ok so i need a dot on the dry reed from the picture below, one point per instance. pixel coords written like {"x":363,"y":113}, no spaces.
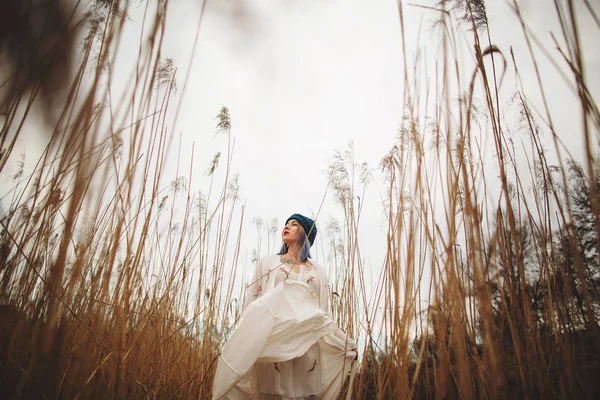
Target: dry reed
{"x":106,"y":292}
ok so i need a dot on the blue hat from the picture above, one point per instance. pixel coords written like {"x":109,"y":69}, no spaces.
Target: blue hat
{"x":308,"y":224}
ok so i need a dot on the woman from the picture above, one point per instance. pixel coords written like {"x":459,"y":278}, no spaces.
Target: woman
{"x":286,"y":345}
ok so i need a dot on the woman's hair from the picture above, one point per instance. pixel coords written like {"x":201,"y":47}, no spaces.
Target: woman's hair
{"x":302,"y":241}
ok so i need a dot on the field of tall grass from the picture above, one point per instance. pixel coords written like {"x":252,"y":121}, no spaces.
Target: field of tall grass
{"x":490,"y":284}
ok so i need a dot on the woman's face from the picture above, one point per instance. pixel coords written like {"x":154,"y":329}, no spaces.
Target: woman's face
{"x":291,"y":232}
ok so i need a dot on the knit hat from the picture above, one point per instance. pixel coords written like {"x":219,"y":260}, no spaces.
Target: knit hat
{"x":310,"y":228}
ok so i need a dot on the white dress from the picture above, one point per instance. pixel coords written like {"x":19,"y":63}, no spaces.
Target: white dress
{"x":285,"y":346}
{"x":299,"y":378}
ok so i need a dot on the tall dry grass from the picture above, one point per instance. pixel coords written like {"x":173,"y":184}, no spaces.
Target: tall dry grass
{"x":108,"y":292}
{"x":490,"y":282}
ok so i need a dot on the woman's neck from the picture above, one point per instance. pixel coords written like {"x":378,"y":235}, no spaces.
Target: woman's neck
{"x":293,"y":253}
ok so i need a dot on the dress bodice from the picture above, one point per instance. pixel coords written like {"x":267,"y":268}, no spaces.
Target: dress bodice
{"x":310,"y":276}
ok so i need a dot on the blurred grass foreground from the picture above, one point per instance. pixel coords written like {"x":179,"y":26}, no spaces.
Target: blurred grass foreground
{"x":106,"y":292}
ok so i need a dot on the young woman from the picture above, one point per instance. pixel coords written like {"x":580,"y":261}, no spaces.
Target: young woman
{"x":286,"y":346}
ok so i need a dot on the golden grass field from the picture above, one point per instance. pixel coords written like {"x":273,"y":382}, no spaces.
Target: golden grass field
{"x":512,"y":291}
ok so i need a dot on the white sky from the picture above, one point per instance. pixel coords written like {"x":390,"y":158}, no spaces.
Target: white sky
{"x":300,"y":79}
{"x":303,"y":78}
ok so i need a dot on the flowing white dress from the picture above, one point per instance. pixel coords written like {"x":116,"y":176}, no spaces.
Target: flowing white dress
{"x":285,"y":345}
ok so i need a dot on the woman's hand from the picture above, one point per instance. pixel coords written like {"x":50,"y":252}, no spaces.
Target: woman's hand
{"x":356,"y":351}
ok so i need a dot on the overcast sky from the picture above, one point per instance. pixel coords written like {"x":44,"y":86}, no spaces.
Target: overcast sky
{"x":304,"y":78}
